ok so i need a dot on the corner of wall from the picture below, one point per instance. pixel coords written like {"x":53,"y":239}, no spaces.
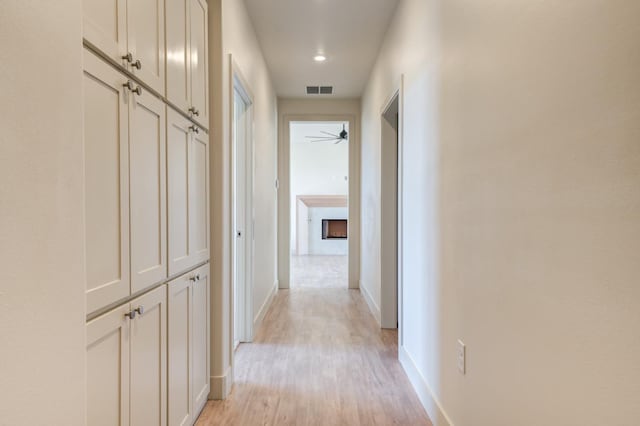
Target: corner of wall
{"x":375,"y":309}
{"x":426,"y":396}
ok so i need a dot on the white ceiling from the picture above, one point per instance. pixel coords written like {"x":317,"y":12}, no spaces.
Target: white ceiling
{"x":347,"y":32}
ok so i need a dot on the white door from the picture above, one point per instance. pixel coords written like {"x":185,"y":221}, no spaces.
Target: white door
{"x":178,"y":149}
{"x":106,"y":171}
{"x":199,"y":196}
{"x":145,"y":41}
{"x":240,"y":215}
{"x":148,"y":380}
{"x":180,"y":339}
{"x":177,"y":57}
{"x":105,"y":26}
{"x":200,"y":338}
{"x":198,"y":57}
{"x":108,"y":369}
{"x":147,"y":179}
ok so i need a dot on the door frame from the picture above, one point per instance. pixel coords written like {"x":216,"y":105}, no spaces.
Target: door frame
{"x":397,"y":91}
{"x":239,"y":83}
{"x":284,"y":195}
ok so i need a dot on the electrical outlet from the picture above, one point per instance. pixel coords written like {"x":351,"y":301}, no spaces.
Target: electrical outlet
{"x":461,"y":355}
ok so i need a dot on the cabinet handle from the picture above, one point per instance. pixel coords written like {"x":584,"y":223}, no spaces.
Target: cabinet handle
{"x":139,"y":309}
{"x":137,"y":90}
{"x":130,"y":315}
{"x":128,"y":85}
{"x":128,"y":57}
{"x":194,"y":129}
{"x":137,"y":64}
{"x":195,"y":278}
{"x":194,"y":111}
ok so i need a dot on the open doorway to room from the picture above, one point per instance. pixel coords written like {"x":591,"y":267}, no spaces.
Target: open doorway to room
{"x":319,"y":207}
{"x":389,"y":189}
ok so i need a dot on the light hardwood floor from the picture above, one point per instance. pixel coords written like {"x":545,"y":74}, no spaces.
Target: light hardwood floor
{"x":320,"y":271}
{"x":318,"y":359}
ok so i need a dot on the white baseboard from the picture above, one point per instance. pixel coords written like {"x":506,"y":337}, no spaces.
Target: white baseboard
{"x":221,"y":385}
{"x":427,"y":398}
{"x":375,"y":309}
{"x":265,"y":306}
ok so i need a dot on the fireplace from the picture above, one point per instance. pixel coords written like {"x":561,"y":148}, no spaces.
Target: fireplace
{"x":334,"y":229}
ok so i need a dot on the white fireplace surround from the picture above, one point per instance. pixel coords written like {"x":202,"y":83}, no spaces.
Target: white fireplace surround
{"x":303,"y":203}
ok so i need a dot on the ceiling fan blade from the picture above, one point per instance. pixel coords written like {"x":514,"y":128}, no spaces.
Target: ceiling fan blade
{"x":325,"y":140}
{"x":327,"y":133}
{"x":321,"y":137}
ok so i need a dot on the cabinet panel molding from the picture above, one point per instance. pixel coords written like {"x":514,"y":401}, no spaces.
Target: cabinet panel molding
{"x":106,"y":155}
{"x":147,"y":130}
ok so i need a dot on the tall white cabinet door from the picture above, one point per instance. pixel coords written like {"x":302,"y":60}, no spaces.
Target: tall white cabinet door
{"x":106,"y":153}
{"x":177,"y":38}
{"x":178,"y":181}
{"x":147,"y":130}
{"x":105,"y":26}
{"x":200,"y":339}
{"x":145,"y":23}
{"x":179,"y":352}
{"x":198,"y":56}
{"x":148,"y":379}
{"x":199,"y":197}
{"x":108,"y":369}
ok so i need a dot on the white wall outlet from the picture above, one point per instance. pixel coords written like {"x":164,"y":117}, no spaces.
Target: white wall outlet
{"x":461,"y":355}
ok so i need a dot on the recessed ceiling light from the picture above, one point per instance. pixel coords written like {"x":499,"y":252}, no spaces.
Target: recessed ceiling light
{"x":319,"y":58}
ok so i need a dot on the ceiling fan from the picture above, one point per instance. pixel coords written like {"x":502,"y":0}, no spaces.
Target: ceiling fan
{"x":331,"y":137}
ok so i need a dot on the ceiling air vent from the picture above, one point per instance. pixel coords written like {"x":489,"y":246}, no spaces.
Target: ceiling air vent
{"x":319,"y":90}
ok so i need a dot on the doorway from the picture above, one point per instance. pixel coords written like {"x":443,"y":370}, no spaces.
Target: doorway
{"x":389,"y":126}
{"x":243,"y":214}
{"x":319,"y":207}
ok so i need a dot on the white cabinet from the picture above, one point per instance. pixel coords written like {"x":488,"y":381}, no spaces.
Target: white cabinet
{"x":188,"y":347}
{"x":187,"y":57}
{"x":188,"y":195}
{"x":108,"y":343}
{"x":147,"y":180}
{"x":131,"y":32}
{"x":126,"y":363}
{"x":106,"y":156}
{"x":148,"y":363}
{"x":125,"y":185}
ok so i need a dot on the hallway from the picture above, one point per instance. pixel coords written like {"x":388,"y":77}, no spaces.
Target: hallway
{"x":319,"y":358}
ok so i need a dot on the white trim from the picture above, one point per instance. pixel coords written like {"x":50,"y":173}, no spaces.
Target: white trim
{"x":265,"y":306}
{"x":220,"y":386}
{"x":239,"y":83}
{"x":375,"y":309}
{"x":425,"y":394}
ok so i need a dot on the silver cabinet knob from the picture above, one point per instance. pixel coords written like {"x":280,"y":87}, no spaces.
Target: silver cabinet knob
{"x":194,"y":111}
{"x":130,"y":315}
{"x":137,"y":90}
{"x":128,"y":57}
{"x":137,"y":64}
{"x":128,"y":85}
{"x":139,"y":309}
{"x":194,"y":129}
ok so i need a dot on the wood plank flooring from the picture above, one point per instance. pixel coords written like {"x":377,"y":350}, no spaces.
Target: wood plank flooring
{"x":318,"y":359}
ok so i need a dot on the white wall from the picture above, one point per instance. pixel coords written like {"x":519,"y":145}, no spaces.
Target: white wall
{"x":42,"y":305}
{"x":231,"y":32}
{"x":317,"y":168}
{"x":521,"y":229}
